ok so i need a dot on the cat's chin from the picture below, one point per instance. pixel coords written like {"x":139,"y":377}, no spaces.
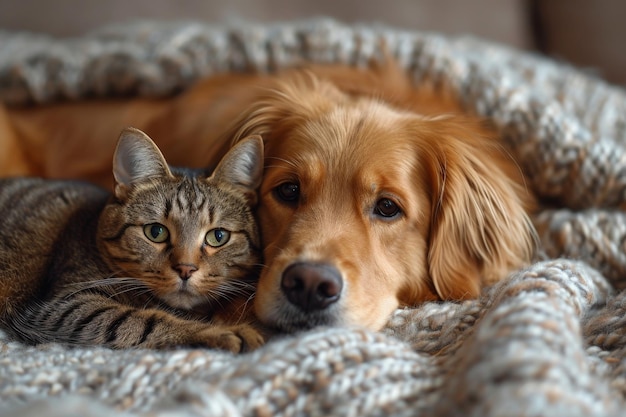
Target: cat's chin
{"x":183,"y":300}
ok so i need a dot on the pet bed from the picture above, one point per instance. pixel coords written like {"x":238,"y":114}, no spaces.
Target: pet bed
{"x":548,"y":340}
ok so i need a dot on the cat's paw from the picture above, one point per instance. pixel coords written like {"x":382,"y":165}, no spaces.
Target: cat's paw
{"x":250,"y":337}
{"x":236,"y":339}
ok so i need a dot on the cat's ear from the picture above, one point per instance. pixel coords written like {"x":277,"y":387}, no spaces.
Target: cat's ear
{"x":136,"y":158}
{"x":242,"y":166}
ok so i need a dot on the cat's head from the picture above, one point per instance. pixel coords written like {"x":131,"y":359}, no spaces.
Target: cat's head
{"x":189,"y":239}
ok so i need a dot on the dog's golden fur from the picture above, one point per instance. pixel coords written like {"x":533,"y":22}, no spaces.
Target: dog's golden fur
{"x":378,"y":192}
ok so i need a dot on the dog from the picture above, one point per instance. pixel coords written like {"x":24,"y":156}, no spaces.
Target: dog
{"x":377,"y":193}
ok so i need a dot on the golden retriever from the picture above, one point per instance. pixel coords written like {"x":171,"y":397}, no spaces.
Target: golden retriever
{"x":376,"y":193}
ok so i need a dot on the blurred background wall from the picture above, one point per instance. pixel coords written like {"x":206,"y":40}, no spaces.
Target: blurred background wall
{"x":587,"y":33}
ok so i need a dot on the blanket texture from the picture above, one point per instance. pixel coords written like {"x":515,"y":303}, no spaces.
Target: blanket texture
{"x":549,"y":340}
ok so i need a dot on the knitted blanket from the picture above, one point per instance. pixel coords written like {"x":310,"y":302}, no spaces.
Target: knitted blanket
{"x":549,"y":340}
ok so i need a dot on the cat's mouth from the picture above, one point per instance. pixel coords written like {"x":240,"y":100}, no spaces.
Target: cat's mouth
{"x":183,"y":298}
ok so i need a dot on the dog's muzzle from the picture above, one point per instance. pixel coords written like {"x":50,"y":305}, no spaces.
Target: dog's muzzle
{"x":311,"y":286}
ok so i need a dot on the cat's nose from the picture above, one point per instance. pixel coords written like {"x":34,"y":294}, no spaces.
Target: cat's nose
{"x":185,"y":270}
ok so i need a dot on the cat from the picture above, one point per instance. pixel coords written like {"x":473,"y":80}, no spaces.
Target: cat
{"x":141,"y":267}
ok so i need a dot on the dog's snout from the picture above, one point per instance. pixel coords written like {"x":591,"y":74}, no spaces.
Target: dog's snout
{"x":311,"y":287}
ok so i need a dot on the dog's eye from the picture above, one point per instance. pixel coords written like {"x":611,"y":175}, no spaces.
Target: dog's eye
{"x":289,"y":191}
{"x":386,"y":208}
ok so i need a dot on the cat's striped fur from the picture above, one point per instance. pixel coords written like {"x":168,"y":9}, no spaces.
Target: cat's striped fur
{"x":159,"y":264}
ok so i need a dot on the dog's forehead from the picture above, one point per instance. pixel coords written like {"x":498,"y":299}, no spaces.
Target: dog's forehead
{"x":344,"y":130}
{"x":362,"y":144}
{"x":369,"y":163}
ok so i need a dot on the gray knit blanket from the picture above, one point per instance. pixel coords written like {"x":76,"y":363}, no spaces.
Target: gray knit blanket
{"x":549,"y":340}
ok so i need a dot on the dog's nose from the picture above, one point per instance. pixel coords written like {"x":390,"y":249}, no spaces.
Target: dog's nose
{"x":311,"y":286}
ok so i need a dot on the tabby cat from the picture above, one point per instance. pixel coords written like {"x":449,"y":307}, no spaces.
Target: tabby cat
{"x":141,"y":267}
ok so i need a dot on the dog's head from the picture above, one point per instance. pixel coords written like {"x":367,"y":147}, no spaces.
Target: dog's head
{"x":365,"y":207}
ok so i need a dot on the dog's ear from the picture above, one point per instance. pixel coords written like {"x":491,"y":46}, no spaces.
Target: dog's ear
{"x":480,"y":228}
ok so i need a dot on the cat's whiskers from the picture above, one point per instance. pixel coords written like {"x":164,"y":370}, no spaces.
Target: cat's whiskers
{"x":229,"y":288}
{"x":213,"y":298}
{"x":244,"y":307}
{"x":138,"y":290}
{"x":229,"y":291}
{"x":102,"y":282}
{"x":114,"y":286}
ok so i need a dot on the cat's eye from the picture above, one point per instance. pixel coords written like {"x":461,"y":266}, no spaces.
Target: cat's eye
{"x":156,"y":232}
{"x":217,"y":237}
